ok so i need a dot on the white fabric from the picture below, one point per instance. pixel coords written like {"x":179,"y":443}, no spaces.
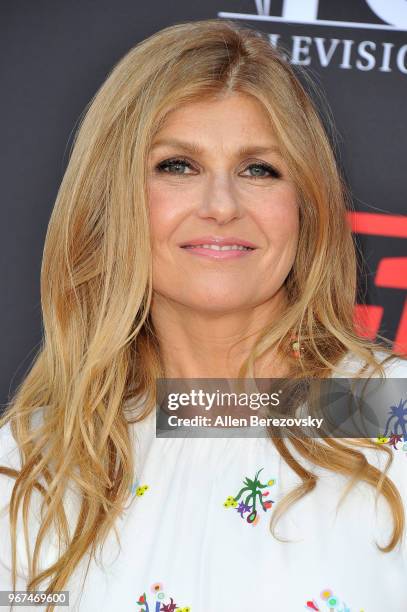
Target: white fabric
{"x":205,"y":557}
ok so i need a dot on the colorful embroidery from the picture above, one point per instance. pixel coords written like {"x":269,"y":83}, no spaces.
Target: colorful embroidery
{"x":137,"y":489}
{"x":396,"y":441}
{"x":159,"y":605}
{"x":399,"y":413}
{"x":253,"y":488}
{"x":331,"y":601}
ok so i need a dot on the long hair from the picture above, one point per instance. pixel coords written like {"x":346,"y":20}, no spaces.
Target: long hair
{"x":99,"y":346}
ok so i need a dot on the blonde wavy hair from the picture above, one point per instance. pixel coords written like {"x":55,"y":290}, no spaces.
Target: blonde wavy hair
{"x":99,"y":346}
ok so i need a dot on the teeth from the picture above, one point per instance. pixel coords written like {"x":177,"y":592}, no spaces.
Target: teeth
{"x":216,"y":247}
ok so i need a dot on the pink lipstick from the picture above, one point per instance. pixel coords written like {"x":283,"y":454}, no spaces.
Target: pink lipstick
{"x":218,"y":247}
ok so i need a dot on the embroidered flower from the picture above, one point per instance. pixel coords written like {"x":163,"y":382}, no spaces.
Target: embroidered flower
{"x":252,"y":495}
{"x":169,"y":607}
{"x":230,"y":502}
{"x":136,"y":488}
{"x":160,"y":605}
{"x":396,"y":441}
{"x":331,"y":601}
{"x":142,"y":600}
{"x":242,"y":508}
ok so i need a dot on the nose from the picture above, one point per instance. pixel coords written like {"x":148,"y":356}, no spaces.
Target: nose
{"x":219,"y":202}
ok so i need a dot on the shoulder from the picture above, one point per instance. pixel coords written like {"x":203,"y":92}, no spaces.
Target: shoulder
{"x":9,"y":452}
{"x":395,"y":366}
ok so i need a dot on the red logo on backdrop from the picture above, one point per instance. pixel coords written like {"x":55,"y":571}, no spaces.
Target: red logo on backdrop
{"x":391,"y":273}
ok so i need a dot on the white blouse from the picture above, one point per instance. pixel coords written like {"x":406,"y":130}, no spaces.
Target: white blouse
{"x":196,"y":535}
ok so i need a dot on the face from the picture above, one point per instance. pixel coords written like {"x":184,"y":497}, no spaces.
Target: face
{"x":215,"y":172}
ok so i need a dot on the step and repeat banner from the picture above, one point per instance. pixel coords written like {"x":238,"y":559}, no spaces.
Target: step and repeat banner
{"x":54,"y":57}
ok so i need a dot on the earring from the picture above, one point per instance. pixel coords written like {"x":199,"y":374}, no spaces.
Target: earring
{"x":297,"y":349}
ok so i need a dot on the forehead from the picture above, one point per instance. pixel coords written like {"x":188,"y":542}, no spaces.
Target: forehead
{"x":230,"y":119}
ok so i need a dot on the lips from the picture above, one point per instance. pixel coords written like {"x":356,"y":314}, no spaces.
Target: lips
{"x":218,"y":241}
{"x":218,"y":247}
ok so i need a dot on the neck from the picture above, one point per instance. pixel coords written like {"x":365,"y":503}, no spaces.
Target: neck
{"x":203,"y":344}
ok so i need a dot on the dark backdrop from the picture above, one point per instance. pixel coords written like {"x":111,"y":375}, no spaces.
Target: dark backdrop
{"x":55,"y":55}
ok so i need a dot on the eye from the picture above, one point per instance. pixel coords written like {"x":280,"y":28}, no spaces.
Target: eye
{"x":273,"y":172}
{"x":176,"y":163}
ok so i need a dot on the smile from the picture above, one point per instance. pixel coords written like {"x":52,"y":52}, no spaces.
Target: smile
{"x":215,"y":251}
{"x":216,"y":247}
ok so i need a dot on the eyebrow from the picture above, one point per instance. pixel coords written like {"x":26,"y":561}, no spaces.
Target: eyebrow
{"x":196,"y":149}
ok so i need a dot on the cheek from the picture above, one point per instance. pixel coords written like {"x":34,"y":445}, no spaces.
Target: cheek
{"x":164,"y":212}
{"x":279,"y":218}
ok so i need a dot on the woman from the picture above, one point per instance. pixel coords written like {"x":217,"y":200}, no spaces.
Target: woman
{"x":201,"y":135}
